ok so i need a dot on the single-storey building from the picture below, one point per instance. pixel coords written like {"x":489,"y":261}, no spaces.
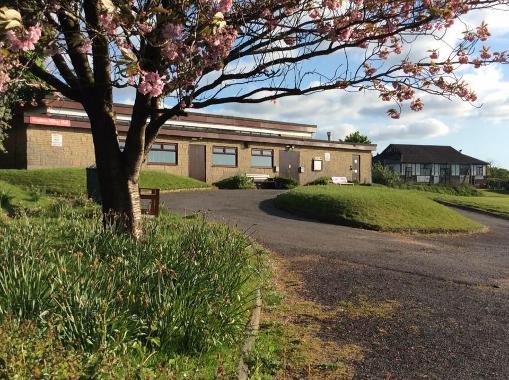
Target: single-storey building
{"x":433,"y":164}
{"x":203,"y":146}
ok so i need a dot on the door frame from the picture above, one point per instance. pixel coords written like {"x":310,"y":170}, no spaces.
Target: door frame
{"x":191,"y":162}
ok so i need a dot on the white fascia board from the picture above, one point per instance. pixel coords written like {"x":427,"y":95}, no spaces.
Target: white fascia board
{"x":71,"y":112}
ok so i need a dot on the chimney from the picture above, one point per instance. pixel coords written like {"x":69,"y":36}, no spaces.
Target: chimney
{"x":329,"y":135}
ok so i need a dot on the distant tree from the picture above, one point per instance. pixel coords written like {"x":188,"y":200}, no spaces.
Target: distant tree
{"x":496,"y":172}
{"x":357,"y":138}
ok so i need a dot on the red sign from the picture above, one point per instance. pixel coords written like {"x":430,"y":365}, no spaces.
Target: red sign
{"x":49,"y":121}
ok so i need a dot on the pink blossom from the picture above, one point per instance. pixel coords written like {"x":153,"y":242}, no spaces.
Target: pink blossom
{"x":26,"y":41}
{"x":151,"y":84}
{"x":393,"y":114}
{"x":417,"y":105}
{"x":4,"y":81}
{"x":108,"y":23}
{"x":485,"y":53}
{"x":86,"y":46}
{"x":172,"y":31}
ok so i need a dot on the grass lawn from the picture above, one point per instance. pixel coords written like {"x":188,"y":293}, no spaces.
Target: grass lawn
{"x":375,"y":207}
{"x":73,"y":181}
{"x":79,"y":301}
{"x":489,"y":201}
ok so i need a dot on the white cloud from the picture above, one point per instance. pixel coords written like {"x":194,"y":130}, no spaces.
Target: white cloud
{"x":414,"y":131}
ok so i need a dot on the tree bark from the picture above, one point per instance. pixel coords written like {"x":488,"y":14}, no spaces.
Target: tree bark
{"x":119,"y":184}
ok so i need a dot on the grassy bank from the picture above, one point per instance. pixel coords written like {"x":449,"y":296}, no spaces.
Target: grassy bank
{"x":489,"y":201}
{"x":78,"y":301}
{"x":377,"y":208}
{"x":73,"y":181}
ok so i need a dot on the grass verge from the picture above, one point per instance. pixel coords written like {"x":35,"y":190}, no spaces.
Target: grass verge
{"x":73,"y":181}
{"x":78,"y":301}
{"x":490,"y":201}
{"x":374,"y":207}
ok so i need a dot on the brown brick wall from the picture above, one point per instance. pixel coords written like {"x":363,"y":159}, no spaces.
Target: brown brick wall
{"x":77,"y":151}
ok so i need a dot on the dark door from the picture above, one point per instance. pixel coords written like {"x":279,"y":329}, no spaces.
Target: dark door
{"x":289,"y":162}
{"x":356,"y":168}
{"x":197,"y":162}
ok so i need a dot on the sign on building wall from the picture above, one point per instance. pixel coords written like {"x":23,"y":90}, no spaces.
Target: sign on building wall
{"x":326,"y":157}
{"x":56,"y":139}
{"x":49,"y":121}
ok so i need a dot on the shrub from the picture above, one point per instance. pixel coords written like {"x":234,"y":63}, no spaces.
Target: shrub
{"x":384,"y":175}
{"x":462,"y":190}
{"x":183,"y":288}
{"x":236,"y":182}
{"x":498,"y":184}
{"x":320,"y":181}
{"x":285,"y":183}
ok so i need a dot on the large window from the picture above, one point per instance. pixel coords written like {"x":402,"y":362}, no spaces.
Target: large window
{"x":479,"y":170}
{"x":464,"y":169}
{"x":163,"y":154}
{"x":262,"y":158}
{"x":426,"y":169}
{"x":224,"y":156}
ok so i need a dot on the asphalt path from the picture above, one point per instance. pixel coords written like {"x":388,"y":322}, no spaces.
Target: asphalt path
{"x":451,"y":291}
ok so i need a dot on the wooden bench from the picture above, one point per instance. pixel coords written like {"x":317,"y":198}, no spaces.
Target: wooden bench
{"x":152,"y":206}
{"x":341,"y":181}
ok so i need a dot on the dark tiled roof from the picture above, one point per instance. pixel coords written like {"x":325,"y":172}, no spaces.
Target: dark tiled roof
{"x":426,"y":154}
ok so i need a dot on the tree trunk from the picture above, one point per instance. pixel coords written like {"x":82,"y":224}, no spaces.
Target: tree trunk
{"x":119,"y":184}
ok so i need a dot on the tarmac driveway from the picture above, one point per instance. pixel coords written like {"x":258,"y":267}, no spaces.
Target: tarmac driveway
{"x":451,"y":292}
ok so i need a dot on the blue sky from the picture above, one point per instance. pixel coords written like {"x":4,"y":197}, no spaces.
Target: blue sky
{"x":481,"y":131}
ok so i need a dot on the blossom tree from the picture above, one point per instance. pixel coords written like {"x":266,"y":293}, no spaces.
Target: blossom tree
{"x":184,"y":54}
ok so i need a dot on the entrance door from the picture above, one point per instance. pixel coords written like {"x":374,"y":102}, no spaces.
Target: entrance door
{"x":356,"y":168}
{"x":289,"y":162}
{"x":197,"y":162}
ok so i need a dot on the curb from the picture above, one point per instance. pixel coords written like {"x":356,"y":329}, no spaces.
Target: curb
{"x":252,"y":331}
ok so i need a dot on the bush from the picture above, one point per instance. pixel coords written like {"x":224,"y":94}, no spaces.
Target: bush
{"x":184,"y":288}
{"x":385,"y":176}
{"x":284,"y":183}
{"x":462,"y":190}
{"x":498,"y":184}
{"x":236,"y":182}
{"x":320,"y":181}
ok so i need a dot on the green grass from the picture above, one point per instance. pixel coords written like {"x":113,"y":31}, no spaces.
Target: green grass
{"x":78,"y":301}
{"x":490,"y":201}
{"x":73,"y":181}
{"x":375,"y":207}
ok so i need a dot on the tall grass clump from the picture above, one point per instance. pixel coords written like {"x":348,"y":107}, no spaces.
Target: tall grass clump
{"x":185,"y":287}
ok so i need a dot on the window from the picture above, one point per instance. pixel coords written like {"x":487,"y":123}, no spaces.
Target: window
{"x":479,"y":170}
{"x":262,"y":158}
{"x":426,"y":169}
{"x":409,"y":172}
{"x":121,"y":145}
{"x":464,"y":169}
{"x":163,"y":154}
{"x":224,"y":156}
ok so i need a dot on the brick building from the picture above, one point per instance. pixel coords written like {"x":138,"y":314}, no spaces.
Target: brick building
{"x":203,"y":146}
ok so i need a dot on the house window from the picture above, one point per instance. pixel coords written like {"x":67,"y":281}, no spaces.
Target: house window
{"x":409,"y":170}
{"x":262,"y":158}
{"x":426,"y":169}
{"x":224,"y":156}
{"x":163,"y":154}
{"x":464,"y":169}
{"x":479,"y":170}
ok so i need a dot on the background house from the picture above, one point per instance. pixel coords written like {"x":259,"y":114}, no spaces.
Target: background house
{"x":202,"y":146}
{"x":433,"y":164}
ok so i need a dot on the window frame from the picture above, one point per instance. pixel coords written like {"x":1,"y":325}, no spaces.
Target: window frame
{"x":224,"y":147}
{"x":426,"y":168}
{"x":262,"y":155}
{"x":477,"y":167}
{"x":161,"y":149}
{"x":465,"y":166}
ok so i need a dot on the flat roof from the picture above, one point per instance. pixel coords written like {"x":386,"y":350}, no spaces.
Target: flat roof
{"x":198,"y":117}
{"x":203,"y":133}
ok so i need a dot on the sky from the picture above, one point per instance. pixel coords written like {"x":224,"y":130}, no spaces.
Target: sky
{"x":480,"y":130}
